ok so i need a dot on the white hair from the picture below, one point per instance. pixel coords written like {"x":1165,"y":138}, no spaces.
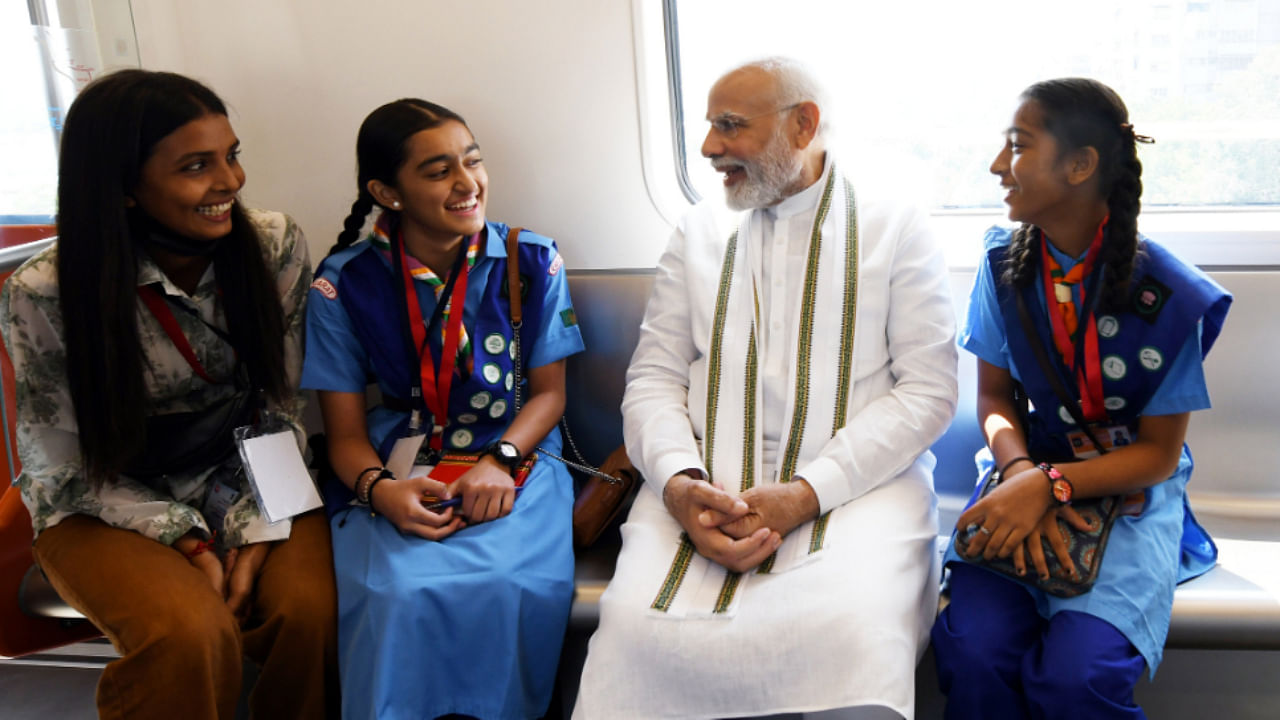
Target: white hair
{"x":796,"y":84}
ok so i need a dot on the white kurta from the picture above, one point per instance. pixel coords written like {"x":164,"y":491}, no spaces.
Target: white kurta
{"x":848,"y":628}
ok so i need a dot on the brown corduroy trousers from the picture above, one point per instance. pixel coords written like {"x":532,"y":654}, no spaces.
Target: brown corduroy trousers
{"x":181,"y":649}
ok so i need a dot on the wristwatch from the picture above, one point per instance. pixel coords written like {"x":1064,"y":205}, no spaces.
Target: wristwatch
{"x":1059,"y":485}
{"x":505,"y":453}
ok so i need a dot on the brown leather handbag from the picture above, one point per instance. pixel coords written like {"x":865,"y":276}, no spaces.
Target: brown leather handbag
{"x":603,"y":497}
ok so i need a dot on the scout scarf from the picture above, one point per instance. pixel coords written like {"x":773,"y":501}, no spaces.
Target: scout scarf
{"x":1077,"y":343}
{"x":821,"y":368}
{"x":381,"y":239}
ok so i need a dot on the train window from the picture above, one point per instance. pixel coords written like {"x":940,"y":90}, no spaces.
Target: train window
{"x":50,"y":49}
{"x":921,"y":91}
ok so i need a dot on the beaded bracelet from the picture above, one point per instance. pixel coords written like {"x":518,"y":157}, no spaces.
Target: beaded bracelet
{"x":368,"y":491}
{"x":364,"y":489}
{"x":361,"y":486}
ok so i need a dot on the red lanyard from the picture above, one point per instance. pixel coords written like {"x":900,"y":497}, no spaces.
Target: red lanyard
{"x":160,"y":309}
{"x":435,"y":387}
{"x":1088,"y":374}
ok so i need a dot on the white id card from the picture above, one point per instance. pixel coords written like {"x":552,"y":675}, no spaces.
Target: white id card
{"x":277,"y":473}
{"x":403,"y":453}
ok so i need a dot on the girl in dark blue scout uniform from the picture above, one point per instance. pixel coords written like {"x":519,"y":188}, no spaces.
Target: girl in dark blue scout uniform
{"x":1132,"y":358}
{"x":461,"y":609}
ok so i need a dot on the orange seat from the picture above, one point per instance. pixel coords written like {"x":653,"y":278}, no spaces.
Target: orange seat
{"x":13,"y":235}
{"x":21,"y":634}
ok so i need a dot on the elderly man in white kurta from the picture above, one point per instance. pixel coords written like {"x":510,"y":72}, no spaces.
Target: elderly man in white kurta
{"x":796,"y":361}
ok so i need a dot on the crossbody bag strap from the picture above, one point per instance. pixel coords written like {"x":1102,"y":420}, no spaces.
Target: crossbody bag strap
{"x":513,"y":278}
{"x":513,"y":291}
{"x":1051,"y":373}
{"x":515,"y":302}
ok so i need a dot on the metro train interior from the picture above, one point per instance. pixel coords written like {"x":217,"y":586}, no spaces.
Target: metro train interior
{"x":591,"y":116}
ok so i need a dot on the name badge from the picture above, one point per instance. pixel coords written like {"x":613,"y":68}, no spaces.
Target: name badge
{"x":1110,"y":436}
{"x":404,"y":453}
{"x":277,"y":474}
{"x":220,"y":499}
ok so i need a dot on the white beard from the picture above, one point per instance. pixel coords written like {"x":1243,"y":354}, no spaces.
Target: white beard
{"x":769,"y":177}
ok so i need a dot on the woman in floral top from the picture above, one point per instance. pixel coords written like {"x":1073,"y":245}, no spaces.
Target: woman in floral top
{"x":169,"y":556}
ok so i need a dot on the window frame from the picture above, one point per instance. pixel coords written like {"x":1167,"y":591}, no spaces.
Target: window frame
{"x":1213,"y":237}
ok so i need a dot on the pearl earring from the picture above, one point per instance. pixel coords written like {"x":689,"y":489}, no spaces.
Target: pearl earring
{"x":396,"y":204}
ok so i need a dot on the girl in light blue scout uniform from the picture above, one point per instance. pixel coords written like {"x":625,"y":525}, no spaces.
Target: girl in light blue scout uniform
{"x":460,"y":610}
{"x":1132,"y":357}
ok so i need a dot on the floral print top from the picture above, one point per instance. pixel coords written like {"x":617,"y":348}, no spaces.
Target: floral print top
{"x":52,"y":482}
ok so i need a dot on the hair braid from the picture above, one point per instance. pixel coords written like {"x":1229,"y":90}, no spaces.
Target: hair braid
{"x":1121,"y":248}
{"x":351,"y":227}
{"x":1019,"y":267}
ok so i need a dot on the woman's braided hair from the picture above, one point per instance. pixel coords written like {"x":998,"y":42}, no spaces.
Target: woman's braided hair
{"x":381,"y":149}
{"x":1080,"y":112}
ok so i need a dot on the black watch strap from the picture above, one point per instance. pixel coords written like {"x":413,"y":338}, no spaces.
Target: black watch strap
{"x":506,"y":453}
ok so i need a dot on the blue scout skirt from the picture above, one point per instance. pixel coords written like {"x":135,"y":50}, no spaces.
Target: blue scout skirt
{"x":472,"y":624}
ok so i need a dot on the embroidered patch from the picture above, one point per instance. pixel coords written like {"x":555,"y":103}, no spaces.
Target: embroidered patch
{"x":467,"y":418}
{"x":1115,"y":402}
{"x":568,"y":317}
{"x":461,"y":438}
{"x":480,"y":400}
{"x":1150,"y":358}
{"x":494,"y":343}
{"x":510,"y":381}
{"x":556,"y":263}
{"x":492,"y":373}
{"x":1065,"y":415}
{"x":511,"y":350}
{"x":1149,"y":297}
{"x":1114,"y":367}
{"x":325,"y":288}
{"x":498,"y":408}
{"x":1108,"y":326}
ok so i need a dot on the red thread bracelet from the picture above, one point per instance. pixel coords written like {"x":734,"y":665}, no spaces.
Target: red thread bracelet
{"x":201,"y":548}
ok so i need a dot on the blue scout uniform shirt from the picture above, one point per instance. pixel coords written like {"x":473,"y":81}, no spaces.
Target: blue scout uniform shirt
{"x":1148,"y":553}
{"x":344,"y":357}
{"x":984,"y":335}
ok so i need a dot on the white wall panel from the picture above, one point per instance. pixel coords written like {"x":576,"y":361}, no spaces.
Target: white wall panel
{"x":548,"y":88}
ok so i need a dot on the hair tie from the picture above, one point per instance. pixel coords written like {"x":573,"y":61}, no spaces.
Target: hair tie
{"x":1144,"y":139}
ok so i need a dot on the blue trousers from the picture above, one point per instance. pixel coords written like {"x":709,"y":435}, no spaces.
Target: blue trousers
{"x":998,"y":658}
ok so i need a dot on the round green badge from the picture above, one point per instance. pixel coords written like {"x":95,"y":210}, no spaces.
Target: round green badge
{"x":1150,"y":358}
{"x":492,"y":373}
{"x":1114,"y":367}
{"x":1108,"y":326}
{"x":494,"y":343}
{"x":498,"y":408}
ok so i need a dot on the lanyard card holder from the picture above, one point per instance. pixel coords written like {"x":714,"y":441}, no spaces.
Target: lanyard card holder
{"x":404,"y":453}
{"x":275,"y":469}
{"x":223,"y":492}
